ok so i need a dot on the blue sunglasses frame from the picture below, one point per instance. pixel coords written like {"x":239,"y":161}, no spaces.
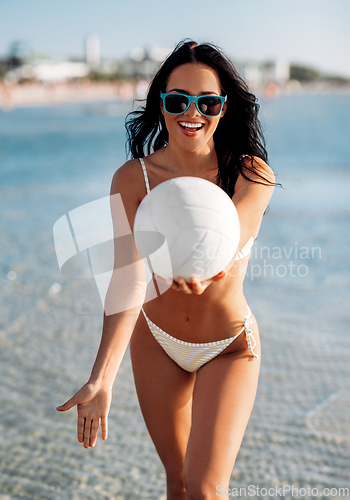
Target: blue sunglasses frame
{"x":194,"y":99}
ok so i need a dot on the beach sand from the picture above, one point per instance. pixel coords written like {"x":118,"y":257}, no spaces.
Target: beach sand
{"x":36,"y":94}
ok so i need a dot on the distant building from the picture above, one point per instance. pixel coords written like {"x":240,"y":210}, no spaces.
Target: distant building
{"x":143,"y":62}
{"x":252,"y":74}
{"x":59,"y":71}
{"x":48,"y":71}
{"x":265,"y":73}
{"x":92,"y":51}
{"x":282,"y":71}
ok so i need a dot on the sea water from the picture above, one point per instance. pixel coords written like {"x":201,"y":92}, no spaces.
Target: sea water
{"x":54,"y":159}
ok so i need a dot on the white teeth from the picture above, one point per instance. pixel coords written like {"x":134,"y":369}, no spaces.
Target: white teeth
{"x":191,"y":125}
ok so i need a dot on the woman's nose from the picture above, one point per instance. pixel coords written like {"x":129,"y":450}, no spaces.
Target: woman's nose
{"x":192,"y":110}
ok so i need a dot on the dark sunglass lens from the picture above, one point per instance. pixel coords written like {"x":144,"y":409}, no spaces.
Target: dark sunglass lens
{"x":176,"y":103}
{"x":209,"y":106}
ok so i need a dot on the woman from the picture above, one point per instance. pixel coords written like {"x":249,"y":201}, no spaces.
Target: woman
{"x":196,"y":413}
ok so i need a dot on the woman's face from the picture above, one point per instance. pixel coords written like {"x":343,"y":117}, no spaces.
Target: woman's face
{"x":194,"y":79}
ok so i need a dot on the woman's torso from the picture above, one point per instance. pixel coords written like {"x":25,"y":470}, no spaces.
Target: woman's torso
{"x":218,"y":312}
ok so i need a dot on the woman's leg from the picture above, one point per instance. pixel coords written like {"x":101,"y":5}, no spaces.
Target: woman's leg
{"x":165,"y":394}
{"x":223,"y":399}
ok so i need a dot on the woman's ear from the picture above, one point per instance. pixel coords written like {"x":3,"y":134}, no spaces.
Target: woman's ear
{"x":162,"y":106}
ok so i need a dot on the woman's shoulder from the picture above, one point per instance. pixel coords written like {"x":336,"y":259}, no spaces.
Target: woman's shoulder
{"x":255,"y":184}
{"x":128,"y":171}
{"x":257,"y":170}
{"x":128,"y":179}
{"x":128,"y":182}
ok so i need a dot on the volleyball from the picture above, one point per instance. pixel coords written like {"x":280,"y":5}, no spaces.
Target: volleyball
{"x":191,"y":223}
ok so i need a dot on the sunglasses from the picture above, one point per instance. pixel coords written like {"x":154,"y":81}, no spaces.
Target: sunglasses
{"x":207,"y":105}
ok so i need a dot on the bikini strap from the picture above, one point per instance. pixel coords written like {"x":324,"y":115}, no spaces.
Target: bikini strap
{"x":245,"y":250}
{"x":145,"y":174}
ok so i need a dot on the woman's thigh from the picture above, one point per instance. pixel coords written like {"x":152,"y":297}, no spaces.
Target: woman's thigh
{"x":165,"y":394}
{"x":223,"y":399}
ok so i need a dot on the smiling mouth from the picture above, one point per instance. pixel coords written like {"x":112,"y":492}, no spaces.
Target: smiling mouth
{"x":191,"y":127}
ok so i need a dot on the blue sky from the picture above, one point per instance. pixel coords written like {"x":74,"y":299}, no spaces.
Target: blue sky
{"x":314,"y":32}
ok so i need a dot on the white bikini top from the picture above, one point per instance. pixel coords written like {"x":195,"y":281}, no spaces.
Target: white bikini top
{"x":242,"y":253}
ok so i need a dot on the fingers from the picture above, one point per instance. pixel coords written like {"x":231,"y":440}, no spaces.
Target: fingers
{"x":87,"y":431}
{"x":104,"y":426}
{"x":181,"y":286}
{"x":80,"y":429}
{"x":198,"y":287}
{"x":68,"y":405}
{"x":93,"y":432}
{"x":195,"y":286}
{"x":220,"y":275}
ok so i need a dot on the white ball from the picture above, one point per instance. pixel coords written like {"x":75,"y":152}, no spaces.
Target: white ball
{"x":187,"y":226}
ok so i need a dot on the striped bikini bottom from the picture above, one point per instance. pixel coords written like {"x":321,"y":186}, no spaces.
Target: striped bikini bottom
{"x":191,"y":356}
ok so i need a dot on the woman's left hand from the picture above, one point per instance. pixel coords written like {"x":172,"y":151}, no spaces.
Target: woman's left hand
{"x":194,"y":286}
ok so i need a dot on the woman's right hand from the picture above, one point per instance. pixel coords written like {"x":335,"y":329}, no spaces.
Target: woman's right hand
{"x":195,"y":286}
{"x":93,"y":403}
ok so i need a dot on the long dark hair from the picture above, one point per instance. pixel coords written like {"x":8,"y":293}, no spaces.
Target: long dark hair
{"x":238,"y":132}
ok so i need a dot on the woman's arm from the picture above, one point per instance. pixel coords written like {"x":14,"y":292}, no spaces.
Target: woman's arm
{"x":125,"y":295}
{"x":127,"y":288}
{"x":252,"y":198}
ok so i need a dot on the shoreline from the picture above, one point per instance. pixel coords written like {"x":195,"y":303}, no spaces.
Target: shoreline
{"x":35,"y":94}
